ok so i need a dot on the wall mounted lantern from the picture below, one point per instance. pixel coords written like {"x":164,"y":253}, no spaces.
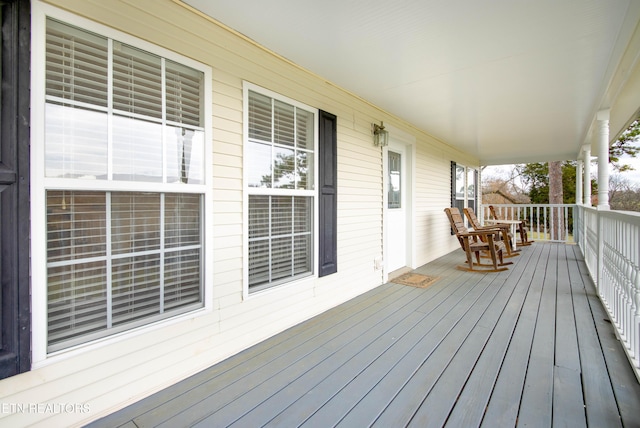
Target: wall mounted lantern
{"x":380,"y":136}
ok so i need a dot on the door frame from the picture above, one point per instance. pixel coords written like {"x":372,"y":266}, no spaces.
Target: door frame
{"x":406,"y":142}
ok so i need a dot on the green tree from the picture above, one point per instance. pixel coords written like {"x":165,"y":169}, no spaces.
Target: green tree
{"x":535,"y":176}
{"x":625,"y":145}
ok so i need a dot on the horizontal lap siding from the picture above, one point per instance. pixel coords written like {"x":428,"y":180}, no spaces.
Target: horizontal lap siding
{"x":433,"y":195}
{"x":124,"y":371}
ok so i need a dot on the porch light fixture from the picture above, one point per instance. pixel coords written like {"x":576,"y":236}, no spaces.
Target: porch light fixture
{"x":380,"y":136}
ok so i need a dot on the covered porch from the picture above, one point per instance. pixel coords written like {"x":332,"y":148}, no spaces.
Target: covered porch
{"x":530,"y":346}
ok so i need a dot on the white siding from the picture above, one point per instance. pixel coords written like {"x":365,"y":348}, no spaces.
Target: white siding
{"x":118,"y":372}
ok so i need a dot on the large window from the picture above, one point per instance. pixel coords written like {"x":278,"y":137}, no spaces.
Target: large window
{"x":280,"y":182}
{"x":123,"y":185}
{"x":464,"y":187}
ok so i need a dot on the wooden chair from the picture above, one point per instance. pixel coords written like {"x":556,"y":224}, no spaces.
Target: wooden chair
{"x":522,"y":227}
{"x":505,"y":230}
{"x":471,"y":243}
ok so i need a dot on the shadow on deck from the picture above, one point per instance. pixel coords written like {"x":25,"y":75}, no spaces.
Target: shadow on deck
{"x":530,"y":346}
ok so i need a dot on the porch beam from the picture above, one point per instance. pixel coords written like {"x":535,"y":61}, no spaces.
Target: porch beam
{"x":602,"y":143}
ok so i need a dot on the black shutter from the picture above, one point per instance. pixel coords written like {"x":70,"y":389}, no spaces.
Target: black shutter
{"x":328,"y":185}
{"x":453,"y":184}
{"x":15,"y":341}
{"x":453,"y":188}
{"x":476,"y":188}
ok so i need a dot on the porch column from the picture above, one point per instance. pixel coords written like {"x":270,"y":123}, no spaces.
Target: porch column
{"x":587,"y":174}
{"x":602,"y":135}
{"x":579,"y":182}
{"x":478,"y":189}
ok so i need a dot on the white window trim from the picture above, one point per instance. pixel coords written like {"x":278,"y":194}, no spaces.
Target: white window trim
{"x":40,"y":357}
{"x":297,"y":283}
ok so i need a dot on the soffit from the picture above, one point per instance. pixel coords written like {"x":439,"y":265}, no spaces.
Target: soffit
{"x":507,"y":81}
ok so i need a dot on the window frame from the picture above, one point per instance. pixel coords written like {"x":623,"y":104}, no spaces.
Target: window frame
{"x":250,"y":191}
{"x":466,"y":172}
{"x":40,"y":183}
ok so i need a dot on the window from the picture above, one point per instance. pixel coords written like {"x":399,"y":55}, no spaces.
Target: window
{"x":395,"y":186}
{"x":280,"y":158}
{"x":123,"y":185}
{"x":472,"y":188}
{"x":464,"y":187}
{"x":460,"y":188}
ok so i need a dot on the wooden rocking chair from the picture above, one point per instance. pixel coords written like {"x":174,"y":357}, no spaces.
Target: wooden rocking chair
{"x":522,"y":227}
{"x":505,"y":230}
{"x":470,"y":243}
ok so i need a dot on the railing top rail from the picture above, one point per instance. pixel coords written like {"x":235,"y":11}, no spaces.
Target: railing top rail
{"x":610,"y":213}
{"x":528,"y":205}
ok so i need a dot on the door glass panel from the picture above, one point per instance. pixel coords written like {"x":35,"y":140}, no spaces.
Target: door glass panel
{"x":395,"y":182}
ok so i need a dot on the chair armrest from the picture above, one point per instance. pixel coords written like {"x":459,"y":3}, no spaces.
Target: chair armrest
{"x":497,"y":226}
{"x":483,"y":232}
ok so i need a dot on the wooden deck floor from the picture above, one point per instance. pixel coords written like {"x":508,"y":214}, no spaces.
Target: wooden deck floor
{"x":529,"y":347}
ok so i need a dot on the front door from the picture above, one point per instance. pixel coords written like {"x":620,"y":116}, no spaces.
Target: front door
{"x":396,"y":209}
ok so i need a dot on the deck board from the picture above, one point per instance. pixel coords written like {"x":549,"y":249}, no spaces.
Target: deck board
{"x":536,"y":406}
{"x":504,"y":403}
{"x":528,"y":346}
{"x":472,"y":402}
{"x":287,"y":366}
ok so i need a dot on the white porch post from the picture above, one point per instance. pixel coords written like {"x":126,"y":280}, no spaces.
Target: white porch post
{"x":602,"y":135}
{"x":579,"y":182}
{"x":479,"y":208}
{"x":587,"y":175}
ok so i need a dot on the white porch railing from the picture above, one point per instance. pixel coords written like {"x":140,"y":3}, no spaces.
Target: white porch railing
{"x":610,"y":244}
{"x":546,"y":222}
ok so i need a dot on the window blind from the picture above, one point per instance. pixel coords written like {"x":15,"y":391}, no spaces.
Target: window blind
{"x":148,"y":277}
{"x":280,"y":157}
{"x":76,"y":64}
{"x":77,"y":69}
{"x":117,"y":260}
{"x":183,"y":88}
{"x":137,"y":81}
{"x":280,"y":238}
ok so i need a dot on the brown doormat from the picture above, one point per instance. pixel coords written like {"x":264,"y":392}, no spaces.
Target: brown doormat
{"x":415,"y":280}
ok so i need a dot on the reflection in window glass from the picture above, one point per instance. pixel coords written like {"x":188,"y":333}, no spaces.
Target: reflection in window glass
{"x":137,"y":150}
{"x":471,"y":188}
{"x":395,"y":185}
{"x":460,"y":180}
{"x":258,"y":164}
{"x":284,"y":168}
{"x":75,"y":142}
{"x":185,"y":155}
{"x":304,"y":172}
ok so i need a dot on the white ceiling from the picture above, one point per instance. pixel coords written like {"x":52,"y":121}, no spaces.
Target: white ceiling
{"x":507,"y":80}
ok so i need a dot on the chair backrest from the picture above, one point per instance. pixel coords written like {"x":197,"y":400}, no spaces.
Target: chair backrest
{"x":473,"y":220}
{"x":455,"y":218}
{"x":457,"y":223}
{"x":493,"y":212}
